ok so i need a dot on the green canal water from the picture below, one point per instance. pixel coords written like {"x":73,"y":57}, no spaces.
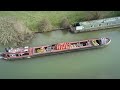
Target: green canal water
{"x":89,"y":64}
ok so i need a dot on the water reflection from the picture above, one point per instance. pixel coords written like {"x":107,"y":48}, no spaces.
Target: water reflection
{"x":48,"y":34}
{"x":64,"y":32}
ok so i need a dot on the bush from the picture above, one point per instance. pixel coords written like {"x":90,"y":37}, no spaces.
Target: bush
{"x":45,"y":25}
{"x":13,"y":32}
{"x":93,"y":15}
{"x":65,"y":23}
{"x":115,"y":13}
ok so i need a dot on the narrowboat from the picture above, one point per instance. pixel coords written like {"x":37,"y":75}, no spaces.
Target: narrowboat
{"x":95,"y":25}
{"x":28,"y":52}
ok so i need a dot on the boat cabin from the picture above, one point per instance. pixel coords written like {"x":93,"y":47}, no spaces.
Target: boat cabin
{"x":17,"y":52}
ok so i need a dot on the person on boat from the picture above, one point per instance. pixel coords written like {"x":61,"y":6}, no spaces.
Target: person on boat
{"x":9,"y":50}
{"x":103,"y":40}
{"x":6,"y":49}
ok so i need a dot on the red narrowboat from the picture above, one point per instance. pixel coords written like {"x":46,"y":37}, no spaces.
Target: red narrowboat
{"x":28,"y":52}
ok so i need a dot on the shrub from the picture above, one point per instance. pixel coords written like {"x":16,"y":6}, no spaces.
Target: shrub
{"x":93,"y":15}
{"x":115,"y":13}
{"x":13,"y":31}
{"x":65,"y":23}
{"x":45,"y":25}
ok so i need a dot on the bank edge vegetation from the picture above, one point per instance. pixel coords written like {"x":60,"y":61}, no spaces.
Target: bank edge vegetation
{"x":18,"y":29}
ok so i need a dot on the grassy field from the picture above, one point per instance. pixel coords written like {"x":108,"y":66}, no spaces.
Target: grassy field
{"x":11,"y":29}
{"x":32,"y":18}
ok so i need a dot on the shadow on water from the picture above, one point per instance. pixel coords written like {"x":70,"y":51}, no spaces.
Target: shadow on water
{"x":48,"y":34}
{"x":64,"y":32}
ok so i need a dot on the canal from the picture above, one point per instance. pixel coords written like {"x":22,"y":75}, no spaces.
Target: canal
{"x":89,"y":64}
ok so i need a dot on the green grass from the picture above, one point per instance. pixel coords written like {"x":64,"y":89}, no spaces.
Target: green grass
{"x":32,"y":18}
